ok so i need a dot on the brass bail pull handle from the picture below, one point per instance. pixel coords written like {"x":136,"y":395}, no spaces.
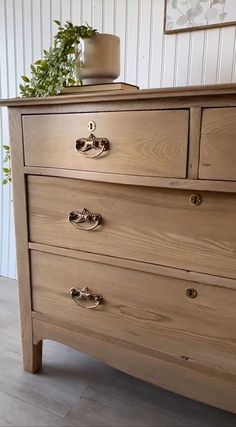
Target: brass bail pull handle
{"x":84,"y":220}
{"x":92,"y":146}
{"x":85,"y":298}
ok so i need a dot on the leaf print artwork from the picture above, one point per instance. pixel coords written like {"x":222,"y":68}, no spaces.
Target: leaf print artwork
{"x":182,"y":15}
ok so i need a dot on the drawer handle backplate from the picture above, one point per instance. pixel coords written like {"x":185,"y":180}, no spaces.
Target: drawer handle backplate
{"x":195,"y":199}
{"x":84,"y":220}
{"x":92,"y":146}
{"x":191,"y":293}
{"x":85,"y":298}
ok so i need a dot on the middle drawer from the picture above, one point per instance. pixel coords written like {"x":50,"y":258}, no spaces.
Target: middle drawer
{"x":160,"y":226}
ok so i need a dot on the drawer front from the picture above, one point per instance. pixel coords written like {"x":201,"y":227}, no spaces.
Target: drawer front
{"x":145,"y":309}
{"x":159,"y":226}
{"x":152,"y":143}
{"x":218,"y":144}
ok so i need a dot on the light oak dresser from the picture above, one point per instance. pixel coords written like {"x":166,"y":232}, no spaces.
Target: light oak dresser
{"x":125,"y":214}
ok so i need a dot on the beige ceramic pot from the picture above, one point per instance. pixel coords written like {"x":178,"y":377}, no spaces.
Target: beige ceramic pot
{"x":98,"y":59}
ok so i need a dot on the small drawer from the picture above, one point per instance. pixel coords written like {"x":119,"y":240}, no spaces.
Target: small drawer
{"x":193,"y":320}
{"x":218,"y":144}
{"x":175,"y":228}
{"x":152,"y":143}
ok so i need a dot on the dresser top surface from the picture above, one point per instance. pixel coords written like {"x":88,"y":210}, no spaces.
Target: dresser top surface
{"x":118,"y":95}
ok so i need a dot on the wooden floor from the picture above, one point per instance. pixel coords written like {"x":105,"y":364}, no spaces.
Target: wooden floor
{"x":75,"y":390}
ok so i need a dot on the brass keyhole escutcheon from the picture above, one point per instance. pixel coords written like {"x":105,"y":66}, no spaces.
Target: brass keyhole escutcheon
{"x":195,"y":199}
{"x":91,"y":126}
{"x":191,"y":293}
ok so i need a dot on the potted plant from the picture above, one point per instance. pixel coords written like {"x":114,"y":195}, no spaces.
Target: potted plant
{"x":98,"y":59}
{"x":57,"y":67}
{"x":79,"y":55}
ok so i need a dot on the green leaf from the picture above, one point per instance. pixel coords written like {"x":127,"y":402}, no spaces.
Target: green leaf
{"x":6,"y":147}
{"x":25,"y":79}
{"x":57,"y":68}
{"x":4,"y":181}
{"x":5,"y":170}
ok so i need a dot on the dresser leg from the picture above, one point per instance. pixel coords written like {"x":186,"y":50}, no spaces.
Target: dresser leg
{"x":32,"y":356}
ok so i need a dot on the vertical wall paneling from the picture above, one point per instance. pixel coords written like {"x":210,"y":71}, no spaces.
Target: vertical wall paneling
{"x":87,"y":11}
{"x":9,"y":252}
{"x":196,"y":58}
{"x":233,"y":75}
{"x":76,"y":12}
{"x":65,"y":10}
{"x":149,"y":58}
{"x":144,"y":41}
{"x":156,"y":42}
{"x":55,"y":14}
{"x":10,"y":47}
{"x":7,"y":88}
{"x":182,"y":59}
{"x":120,"y":30}
{"x":108,"y":14}
{"x":210,"y":66}
{"x":97,"y":14}
{"x":169,"y":60}
{"x":19,"y":43}
{"x":27,"y":34}
{"x":46,"y":20}
{"x":226,"y":55}
{"x":131,"y":41}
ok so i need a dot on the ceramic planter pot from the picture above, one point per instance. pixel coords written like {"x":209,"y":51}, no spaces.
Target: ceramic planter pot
{"x":98,"y":59}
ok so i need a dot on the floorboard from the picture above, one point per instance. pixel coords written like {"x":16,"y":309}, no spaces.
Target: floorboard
{"x":74,"y":389}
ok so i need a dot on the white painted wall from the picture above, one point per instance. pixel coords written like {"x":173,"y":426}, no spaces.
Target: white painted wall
{"x":148,"y":59}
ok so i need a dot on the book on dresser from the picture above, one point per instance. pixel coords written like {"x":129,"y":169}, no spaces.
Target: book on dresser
{"x":102,"y":87}
{"x":125,"y":213}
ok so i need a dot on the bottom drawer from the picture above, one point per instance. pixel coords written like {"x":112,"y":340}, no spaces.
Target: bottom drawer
{"x":145,"y":309}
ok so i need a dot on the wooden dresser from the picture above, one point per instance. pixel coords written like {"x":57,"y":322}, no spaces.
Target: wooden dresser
{"x":125,"y":213}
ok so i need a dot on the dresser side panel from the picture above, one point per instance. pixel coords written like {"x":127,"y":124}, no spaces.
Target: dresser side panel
{"x":31,"y":353}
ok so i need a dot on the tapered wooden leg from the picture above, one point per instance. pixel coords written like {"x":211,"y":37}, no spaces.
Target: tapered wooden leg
{"x":32,"y":356}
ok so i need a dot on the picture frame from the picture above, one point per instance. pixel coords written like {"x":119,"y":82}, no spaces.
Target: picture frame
{"x":194,"y":15}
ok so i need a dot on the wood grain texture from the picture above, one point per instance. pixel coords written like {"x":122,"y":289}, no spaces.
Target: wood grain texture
{"x":145,"y":309}
{"x":190,"y":378}
{"x":194,"y":142}
{"x":159,"y":226}
{"x":152,"y":245}
{"x":144,"y":181}
{"x":74,"y":389}
{"x":152,"y":143}
{"x":170,"y":92}
{"x":218,"y":144}
{"x":32,"y":354}
{"x":143,"y":103}
{"x":138,"y":266}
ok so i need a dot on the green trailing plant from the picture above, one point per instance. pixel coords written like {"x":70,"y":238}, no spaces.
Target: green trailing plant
{"x":6,"y":165}
{"x":57,"y":67}
{"x":52,"y":72}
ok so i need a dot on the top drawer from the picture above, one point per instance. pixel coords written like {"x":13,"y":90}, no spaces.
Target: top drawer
{"x":218,"y":144}
{"x":151,"y":143}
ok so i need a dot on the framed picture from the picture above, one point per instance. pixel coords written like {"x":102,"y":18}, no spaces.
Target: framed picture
{"x":191,"y":15}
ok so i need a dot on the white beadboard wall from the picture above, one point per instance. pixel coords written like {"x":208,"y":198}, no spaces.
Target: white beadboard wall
{"x":148,"y":59}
